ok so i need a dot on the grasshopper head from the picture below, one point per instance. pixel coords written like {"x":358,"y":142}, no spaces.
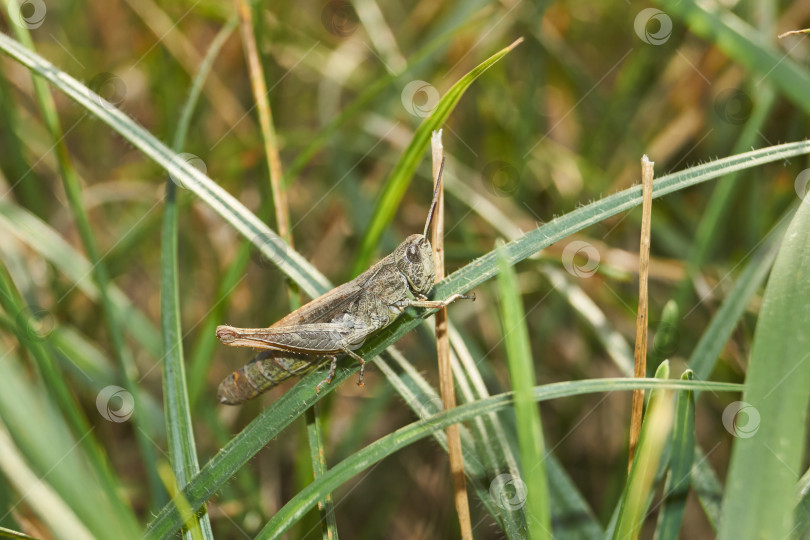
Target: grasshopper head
{"x":414,"y":258}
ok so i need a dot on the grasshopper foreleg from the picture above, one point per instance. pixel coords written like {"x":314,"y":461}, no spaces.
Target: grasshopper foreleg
{"x":437,"y":304}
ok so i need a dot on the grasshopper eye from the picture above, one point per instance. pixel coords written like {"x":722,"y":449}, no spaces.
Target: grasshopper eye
{"x":412,"y":254}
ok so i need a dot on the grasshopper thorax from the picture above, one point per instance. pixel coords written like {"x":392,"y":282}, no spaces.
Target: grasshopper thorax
{"x":414,"y":259}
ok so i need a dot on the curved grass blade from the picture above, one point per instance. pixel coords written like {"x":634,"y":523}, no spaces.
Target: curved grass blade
{"x":294,"y":402}
{"x":769,"y":445}
{"x":400,"y":177}
{"x":389,"y":444}
{"x":185,"y":174}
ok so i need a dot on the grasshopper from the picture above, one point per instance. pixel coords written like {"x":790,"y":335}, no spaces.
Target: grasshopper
{"x":338,"y":322}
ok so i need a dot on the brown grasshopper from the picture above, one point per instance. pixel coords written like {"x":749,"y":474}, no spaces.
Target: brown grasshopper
{"x":337,"y":322}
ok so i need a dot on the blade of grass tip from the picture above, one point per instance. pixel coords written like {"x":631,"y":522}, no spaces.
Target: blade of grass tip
{"x":73,"y":191}
{"x":640,"y":352}
{"x":533,"y":487}
{"x":387,"y":445}
{"x":397,"y":183}
{"x":655,"y":432}
{"x":294,"y":402}
{"x":681,"y":458}
{"x":745,"y":45}
{"x":326,"y":506}
{"x":34,"y":343}
{"x":9,"y":533}
{"x":770,"y":422}
{"x":446,"y":386}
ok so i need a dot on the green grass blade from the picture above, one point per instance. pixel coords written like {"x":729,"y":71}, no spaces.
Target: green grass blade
{"x":73,"y":190}
{"x":44,"y":240}
{"x":389,"y":444}
{"x":56,"y":454}
{"x":179,"y":430}
{"x":711,"y":343}
{"x":250,"y":440}
{"x":185,"y":174}
{"x":652,"y":442}
{"x":770,"y":445}
{"x":293,"y":403}
{"x":529,"y":427}
{"x":400,"y":177}
{"x":318,"y":458}
{"x":745,"y":45}
{"x":56,"y":387}
{"x":682,"y":453}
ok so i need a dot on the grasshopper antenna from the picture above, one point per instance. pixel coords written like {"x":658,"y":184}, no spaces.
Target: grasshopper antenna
{"x":435,"y":200}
